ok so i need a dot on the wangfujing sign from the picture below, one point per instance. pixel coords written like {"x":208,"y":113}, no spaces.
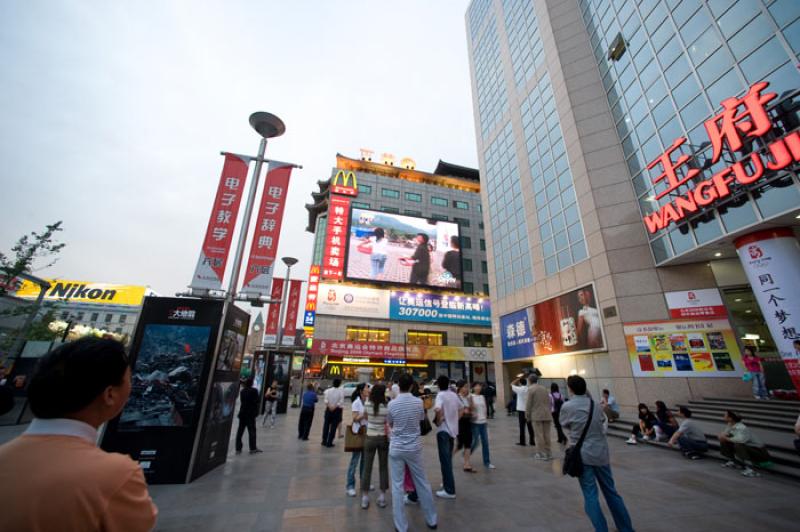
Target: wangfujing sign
{"x":742,"y":121}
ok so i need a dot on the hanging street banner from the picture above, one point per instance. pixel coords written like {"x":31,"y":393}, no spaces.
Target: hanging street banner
{"x":84,"y":292}
{"x":437,"y":308}
{"x":292,"y":306}
{"x":274,"y":314}
{"x":335,"y":238}
{"x":219,"y":234}
{"x":267,"y":234}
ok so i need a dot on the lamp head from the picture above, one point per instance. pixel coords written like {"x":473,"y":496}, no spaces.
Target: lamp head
{"x":267,"y":124}
{"x":289,"y":261}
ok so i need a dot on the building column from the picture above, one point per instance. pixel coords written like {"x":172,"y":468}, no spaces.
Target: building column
{"x":771,"y":260}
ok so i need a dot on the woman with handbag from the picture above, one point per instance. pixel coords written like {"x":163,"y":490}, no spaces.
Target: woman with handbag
{"x":357,"y":428}
{"x":376,"y":440}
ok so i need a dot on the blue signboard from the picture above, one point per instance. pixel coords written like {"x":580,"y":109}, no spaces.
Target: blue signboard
{"x":516,"y":335}
{"x":309,"y":318}
{"x":437,"y":308}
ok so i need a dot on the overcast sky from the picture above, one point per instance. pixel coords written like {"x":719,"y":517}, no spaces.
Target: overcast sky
{"x":114,"y":113}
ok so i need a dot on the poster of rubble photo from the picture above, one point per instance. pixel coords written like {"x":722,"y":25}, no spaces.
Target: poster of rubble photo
{"x":166,"y":379}
{"x":230,"y":353}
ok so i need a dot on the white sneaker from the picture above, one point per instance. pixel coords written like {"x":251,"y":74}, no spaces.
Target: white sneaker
{"x":442,"y":494}
{"x":750,"y":473}
{"x":351,"y":492}
{"x":631,"y":441}
{"x":537,"y":456}
{"x":365,"y":502}
{"x":490,"y":466}
{"x":730,"y":463}
{"x":381,"y":501}
{"x":647,"y":438}
{"x":407,"y":501}
{"x":545,"y":457}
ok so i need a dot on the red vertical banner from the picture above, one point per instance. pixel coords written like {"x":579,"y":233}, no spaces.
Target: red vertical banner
{"x":219,"y":234}
{"x":273,"y":316}
{"x":269,"y":217}
{"x":336,"y":238}
{"x":292,"y":306}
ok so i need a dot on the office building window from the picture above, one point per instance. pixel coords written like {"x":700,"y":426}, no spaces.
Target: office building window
{"x":463,"y":205}
{"x":412,"y":213}
{"x":489,"y":78}
{"x":486,"y":289}
{"x":466,"y":242}
{"x":118,"y":330}
{"x":95,"y":316}
{"x":524,"y":43}
{"x":439,"y":202}
{"x":390,"y":193}
{"x":79,"y":316}
{"x":483,"y":245}
{"x":484,"y":267}
{"x":426,"y":338}
{"x":469,"y":288}
{"x":477,"y":340}
{"x":413,"y":196}
{"x":123,"y":318}
{"x":466,"y":264}
{"x":392,"y":210}
{"x":463,"y":222}
{"x":364,"y":334}
{"x":360,"y":205}
{"x":364,"y":189}
{"x":109,"y":317}
{"x":439,"y":217}
{"x":64,"y":315}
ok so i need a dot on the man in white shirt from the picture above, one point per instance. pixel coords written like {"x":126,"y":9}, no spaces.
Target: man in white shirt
{"x":334,"y":402}
{"x":520,"y":388}
{"x":448,"y":410}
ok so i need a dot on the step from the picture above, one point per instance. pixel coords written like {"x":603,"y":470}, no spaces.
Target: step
{"x":781,"y":419}
{"x":790,"y":413}
{"x":749,"y":421}
{"x":776,"y":402}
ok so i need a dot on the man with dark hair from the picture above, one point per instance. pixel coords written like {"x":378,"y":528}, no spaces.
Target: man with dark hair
{"x":405,"y":450}
{"x":537,"y":411}
{"x":689,"y":437}
{"x":448,"y":411}
{"x":53,"y":476}
{"x":334,"y":403}
{"x":594,"y":453}
{"x":307,"y":405}
{"x":248,"y":412}
{"x":420,"y":261}
{"x":610,"y":406}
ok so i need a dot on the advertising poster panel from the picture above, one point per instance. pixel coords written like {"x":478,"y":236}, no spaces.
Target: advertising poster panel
{"x":279,"y":373}
{"x":171,"y":360}
{"x":516,"y":335}
{"x":404,"y":250}
{"x":683,"y":348}
{"x":692,"y":304}
{"x":353,"y":301}
{"x":274,"y":313}
{"x":569,"y":323}
{"x":335,"y":239}
{"x":437,"y":308}
{"x":221,"y":224}
{"x":63,"y":290}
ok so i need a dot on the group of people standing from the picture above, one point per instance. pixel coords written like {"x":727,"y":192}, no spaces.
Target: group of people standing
{"x":538,"y":411}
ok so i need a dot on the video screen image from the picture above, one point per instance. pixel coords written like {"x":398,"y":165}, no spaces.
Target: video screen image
{"x":400,"y":249}
{"x":166,"y":380}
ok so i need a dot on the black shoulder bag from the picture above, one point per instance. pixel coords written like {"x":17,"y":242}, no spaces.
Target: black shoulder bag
{"x":573,"y":463}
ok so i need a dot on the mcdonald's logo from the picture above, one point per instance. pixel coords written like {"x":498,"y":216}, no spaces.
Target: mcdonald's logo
{"x":335,"y":370}
{"x":341,"y":183}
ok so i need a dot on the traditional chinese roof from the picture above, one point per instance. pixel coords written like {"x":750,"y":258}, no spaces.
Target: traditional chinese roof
{"x":455,"y":170}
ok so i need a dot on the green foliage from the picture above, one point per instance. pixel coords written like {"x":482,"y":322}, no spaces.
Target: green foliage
{"x":27,"y":250}
{"x":39,"y":329}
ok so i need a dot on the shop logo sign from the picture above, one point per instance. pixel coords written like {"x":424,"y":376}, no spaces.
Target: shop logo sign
{"x":182,"y":313}
{"x":348,"y":298}
{"x":755,"y":252}
{"x":341,"y":183}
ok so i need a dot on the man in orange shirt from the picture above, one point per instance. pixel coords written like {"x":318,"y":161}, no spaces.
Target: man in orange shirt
{"x":54,"y":477}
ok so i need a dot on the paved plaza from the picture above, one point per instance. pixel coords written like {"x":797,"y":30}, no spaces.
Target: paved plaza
{"x":299,"y":486}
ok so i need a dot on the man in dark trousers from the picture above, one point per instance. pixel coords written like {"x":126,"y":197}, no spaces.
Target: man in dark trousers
{"x":420,"y":261}
{"x":248,"y":411}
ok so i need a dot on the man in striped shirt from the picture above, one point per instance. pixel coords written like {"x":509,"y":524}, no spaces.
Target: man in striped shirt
{"x":405,"y":449}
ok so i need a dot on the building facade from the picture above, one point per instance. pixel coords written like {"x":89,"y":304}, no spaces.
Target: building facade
{"x":639,"y":163}
{"x":371,"y":310}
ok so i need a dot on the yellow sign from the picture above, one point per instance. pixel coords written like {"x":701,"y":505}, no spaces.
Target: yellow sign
{"x":340,"y":184}
{"x":85,"y":292}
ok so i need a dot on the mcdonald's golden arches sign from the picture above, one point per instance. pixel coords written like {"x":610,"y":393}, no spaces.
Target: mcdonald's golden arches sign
{"x":345,"y":183}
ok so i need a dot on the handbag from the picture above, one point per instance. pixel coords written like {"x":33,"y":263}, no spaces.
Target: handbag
{"x":573,"y":463}
{"x":354,"y":441}
{"x":365,"y":248}
{"x":425,"y":426}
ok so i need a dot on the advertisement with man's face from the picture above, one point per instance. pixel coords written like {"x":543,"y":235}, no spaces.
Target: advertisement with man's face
{"x":406,"y":250}
{"x":568,"y":323}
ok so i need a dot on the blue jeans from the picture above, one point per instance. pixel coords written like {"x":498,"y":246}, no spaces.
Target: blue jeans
{"x":445,"y":444}
{"x":593,"y":475}
{"x":759,"y":385}
{"x":479,"y":431}
{"x":355,"y":460}
{"x":692,"y":446}
{"x":378,"y":263}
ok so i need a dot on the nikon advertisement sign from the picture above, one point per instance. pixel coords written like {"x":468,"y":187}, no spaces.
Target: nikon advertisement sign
{"x":85,"y":292}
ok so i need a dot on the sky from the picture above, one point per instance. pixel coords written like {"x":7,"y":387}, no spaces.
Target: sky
{"x":114,"y":114}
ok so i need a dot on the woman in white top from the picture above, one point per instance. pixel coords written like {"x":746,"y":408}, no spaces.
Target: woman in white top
{"x":589,"y":320}
{"x":376,"y":410}
{"x":479,"y":428}
{"x":359,"y":419}
{"x":378,"y":243}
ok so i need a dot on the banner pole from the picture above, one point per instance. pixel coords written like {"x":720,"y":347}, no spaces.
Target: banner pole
{"x":248,"y":212}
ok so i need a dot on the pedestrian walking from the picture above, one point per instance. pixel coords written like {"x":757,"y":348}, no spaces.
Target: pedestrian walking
{"x":359,"y":420}
{"x":464,"y":439}
{"x":575,"y":417}
{"x":537,"y":411}
{"x":271,"y":407}
{"x":376,"y":441}
{"x":334,"y":405}
{"x":307,"y":405}
{"x":448,"y":411}
{"x":489,"y":392}
{"x":53,"y":476}
{"x":556,"y":402}
{"x":520,"y":389}
{"x":479,"y":427}
{"x":248,"y":412}
{"x":404,"y":415}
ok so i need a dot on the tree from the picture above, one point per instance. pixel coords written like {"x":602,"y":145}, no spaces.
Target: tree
{"x":27,"y":250}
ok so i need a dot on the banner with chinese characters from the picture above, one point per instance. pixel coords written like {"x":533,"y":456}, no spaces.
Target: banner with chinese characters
{"x":771,"y":260}
{"x":335,"y":238}
{"x":378,"y":350}
{"x":292,"y":306}
{"x":267,"y":234}
{"x":705,"y":303}
{"x":516,"y":336}
{"x":274,"y":314}
{"x":352,"y":301}
{"x":219,"y":234}
{"x":683,"y":348}
{"x":309,"y":317}
{"x":438,"y":308}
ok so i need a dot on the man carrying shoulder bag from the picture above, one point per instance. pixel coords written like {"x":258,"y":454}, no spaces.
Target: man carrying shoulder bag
{"x":582,"y":419}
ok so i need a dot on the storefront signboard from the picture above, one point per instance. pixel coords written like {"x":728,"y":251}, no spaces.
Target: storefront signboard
{"x":378,"y":350}
{"x":516,"y":334}
{"x":336,"y":238}
{"x":437,"y":308}
{"x":352,"y":301}
{"x":705,"y":303}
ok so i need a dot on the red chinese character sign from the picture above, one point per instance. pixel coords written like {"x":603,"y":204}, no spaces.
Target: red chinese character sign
{"x":292,"y":305}
{"x":771,"y":260}
{"x":741,"y":121}
{"x":264,"y":247}
{"x":274,"y":314}
{"x":336,"y":238}
{"x":219,"y":234}
{"x":309,"y":318}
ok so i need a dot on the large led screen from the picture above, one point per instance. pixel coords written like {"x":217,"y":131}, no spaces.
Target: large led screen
{"x":397,"y":249}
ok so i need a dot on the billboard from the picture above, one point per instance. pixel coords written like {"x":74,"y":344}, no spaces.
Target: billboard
{"x":516,"y":336}
{"x":404,"y":250}
{"x":705,"y":303}
{"x":381,"y":350}
{"x":84,"y":292}
{"x":683,"y":348}
{"x":335,"y":238}
{"x":437,"y":308}
{"x":352,"y":301}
